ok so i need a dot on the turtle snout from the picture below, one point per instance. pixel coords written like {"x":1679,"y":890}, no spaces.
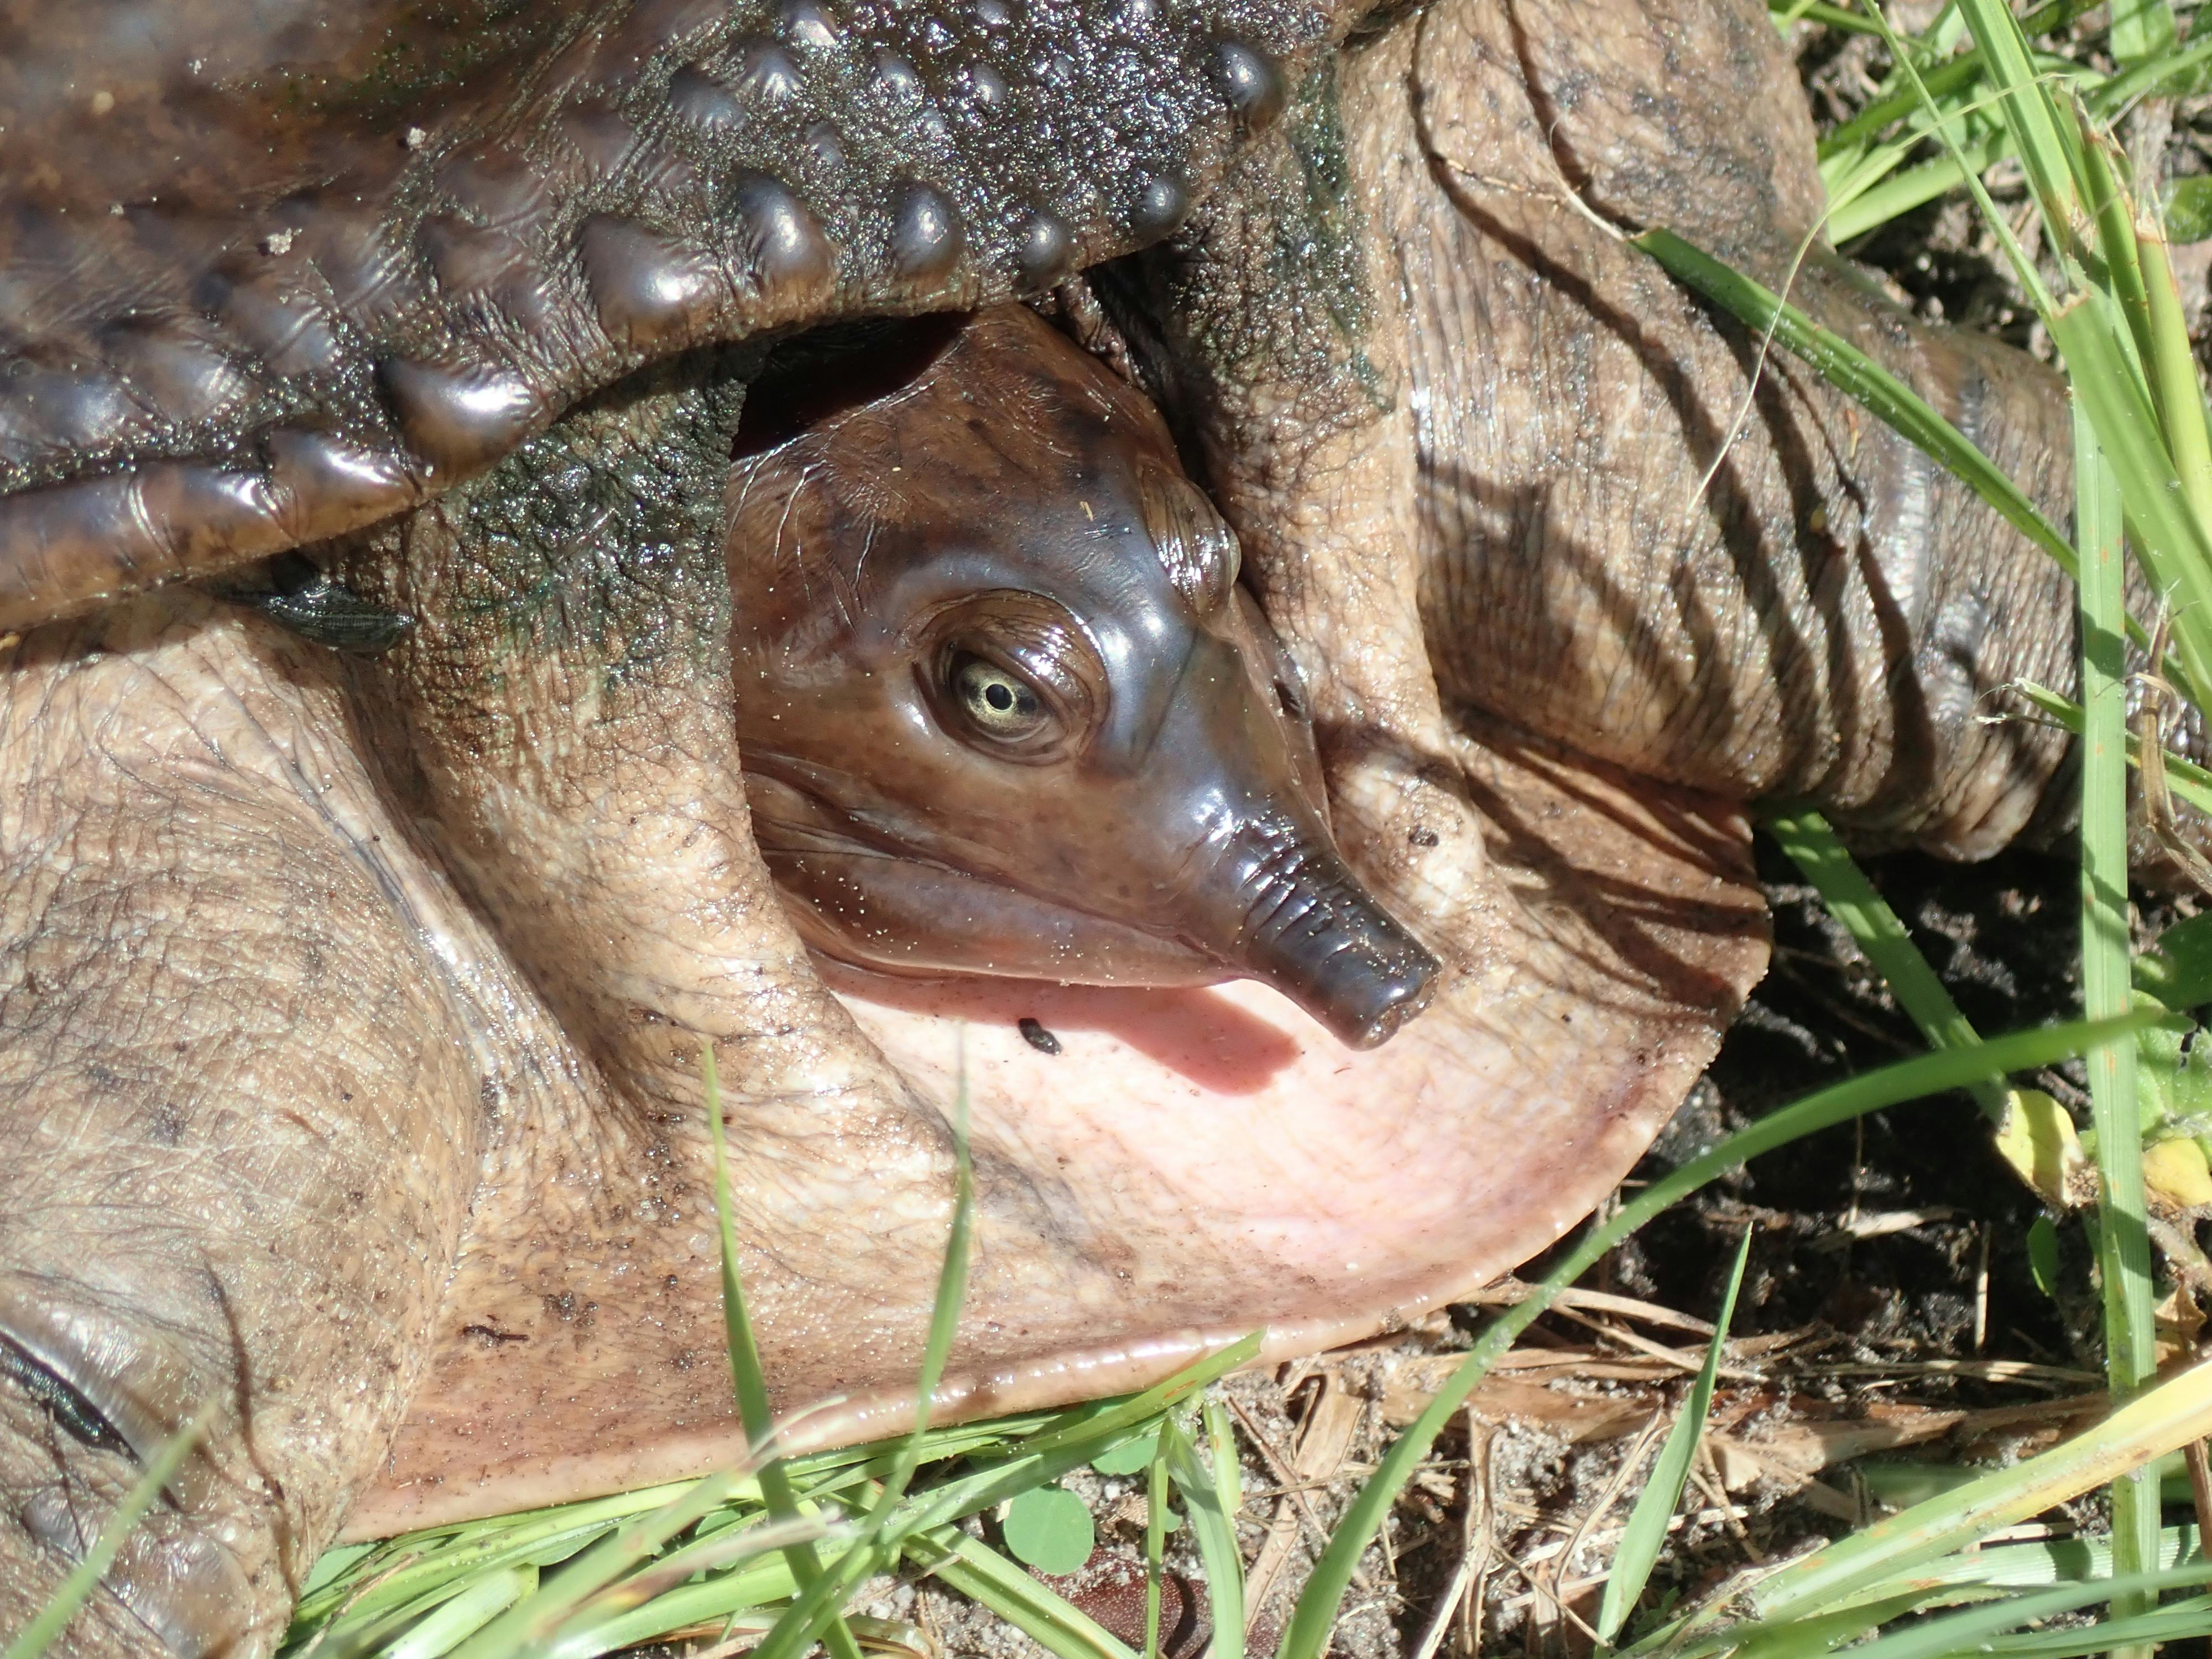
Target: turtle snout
{"x":1308,"y":928}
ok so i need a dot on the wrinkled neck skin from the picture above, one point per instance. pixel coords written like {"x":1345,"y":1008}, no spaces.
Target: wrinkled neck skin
{"x":1614,"y":519}
{"x":1010,"y":523}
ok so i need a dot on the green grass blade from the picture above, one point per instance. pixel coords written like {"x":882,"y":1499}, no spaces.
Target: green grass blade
{"x":2183,"y":1621}
{"x":2167,"y":533}
{"x":722,"y":1596}
{"x":1214,"y":1530}
{"x":1228,"y":1472}
{"x":1862,"y":206}
{"x":1969,"y":1631}
{"x":1834,"y":17}
{"x":1156,"y":1534}
{"x":981,"y":1573}
{"x":1064,"y":1449}
{"x":70,"y":1595}
{"x":1825,"y":1633}
{"x":1647,"y":1522}
{"x":2114,"y":94}
{"x":745,"y":1374}
{"x":2024,"y":1566}
{"x":814,"y":1613}
{"x":1876,"y":929}
{"x":2062,"y":235}
{"x":2122,"y":1241}
{"x":480,"y":1546}
{"x":2183,"y":776}
{"x":2176,"y":391}
{"x":2049,"y":147}
{"x":483,"y":1600}
{"x":952,"y":1292}
{"x":1944,"y":81}
{"x":1955,"y":76}
{"x":1314,"y":1615}
{"x":531,"y":1622}
{"x":1968,"y":1576}
{"x":2158,"y":1420}
{"x":2116,"y":235}
{"x":1852,"y":372}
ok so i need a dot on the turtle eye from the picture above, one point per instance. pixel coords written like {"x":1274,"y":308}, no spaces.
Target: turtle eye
{"x":998,"y":702}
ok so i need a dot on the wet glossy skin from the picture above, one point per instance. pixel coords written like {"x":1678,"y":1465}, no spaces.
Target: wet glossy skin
{"x":1004,"y":709}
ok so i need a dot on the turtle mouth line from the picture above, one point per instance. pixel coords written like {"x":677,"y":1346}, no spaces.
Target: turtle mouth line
{"x":807,"y":840}
{"x":1272,"y":903}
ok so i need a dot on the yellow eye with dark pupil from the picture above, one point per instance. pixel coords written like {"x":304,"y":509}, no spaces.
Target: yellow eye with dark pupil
{"x":1000,"y":704}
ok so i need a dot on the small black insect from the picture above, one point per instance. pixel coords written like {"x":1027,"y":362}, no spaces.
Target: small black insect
{"x":320,"y":611}
{"x":1037,"y":1037}
{"x":62,"y":1402}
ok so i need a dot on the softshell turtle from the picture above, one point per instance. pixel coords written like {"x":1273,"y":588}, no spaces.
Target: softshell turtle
{"x":1003,"y":706}
{"x":350,"y":1006}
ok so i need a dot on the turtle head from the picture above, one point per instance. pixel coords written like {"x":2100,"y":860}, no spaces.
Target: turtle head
{"x":1005,"y":707}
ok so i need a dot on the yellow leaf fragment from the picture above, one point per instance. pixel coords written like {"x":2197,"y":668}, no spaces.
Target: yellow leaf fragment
{"x":2176,"y":1171}
{"x":2037,"y":1138}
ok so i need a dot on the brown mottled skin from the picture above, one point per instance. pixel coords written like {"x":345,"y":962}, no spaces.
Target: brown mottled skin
{"x":350,"y":1007}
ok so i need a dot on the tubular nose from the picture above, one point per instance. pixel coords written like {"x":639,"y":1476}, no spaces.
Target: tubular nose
{"x":1369,"y":985}
{"x":1313,"y":932}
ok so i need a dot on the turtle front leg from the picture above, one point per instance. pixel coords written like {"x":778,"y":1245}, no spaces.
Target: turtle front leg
{"x":238,"y":1119}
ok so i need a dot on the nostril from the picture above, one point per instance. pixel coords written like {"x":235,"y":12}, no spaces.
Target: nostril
{"x":1313,"y":932}
{"x":76,"y":1415}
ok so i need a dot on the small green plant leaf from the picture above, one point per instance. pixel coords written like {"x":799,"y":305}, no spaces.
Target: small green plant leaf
{"x":1209,"y":1499}
{"x":2043,"y":1254}
{"x":1049,"y":1529}
{"x":1130,"y":1457}
{"x":2189,"y":210}
{"x":2141,"y":29}
{"x":1646,"y":1532}
{"x":2039,"y":1139}
{"x":2177,"y":970}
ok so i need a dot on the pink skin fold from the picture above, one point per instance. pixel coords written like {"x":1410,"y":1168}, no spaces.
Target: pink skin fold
{"x":1193,"y":1165}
